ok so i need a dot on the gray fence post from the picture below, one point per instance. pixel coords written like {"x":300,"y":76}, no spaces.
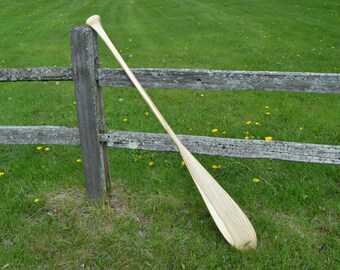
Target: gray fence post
{"x":91,"y":123}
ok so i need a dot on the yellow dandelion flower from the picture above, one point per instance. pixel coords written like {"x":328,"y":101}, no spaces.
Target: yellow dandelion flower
{"x":267,"y":113}
{"x":125,"y":119}
{"x":247,"y":132}
{"x":256,"y":180}
{"x":74,"y":103}
{"x":214,"y":130}
{"x":268,"y":138}
{"x":224,"y":132}
{"x":47,"y":149}
{"x":2,"y":174}
{"x":248,"y":122}
{"x":147,"y":113}
{"x":39,"y":148}
{"x":183,"y":163}
{"x":301,"y":128}
{"x":166,"y":161}
{"x":257,"y":123}
{"x":246,"y":137}
{"x":151,"y":163}
{"x":252,"y":137}
{"x":266,"y":107}
{"x":36,"y":200}
{"x":216,"y":166}
{"x":78,"y":160}
{"x":202,"y":95}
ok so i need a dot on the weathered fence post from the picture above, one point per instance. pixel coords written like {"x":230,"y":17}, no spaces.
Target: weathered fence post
{"x":91,"y":123}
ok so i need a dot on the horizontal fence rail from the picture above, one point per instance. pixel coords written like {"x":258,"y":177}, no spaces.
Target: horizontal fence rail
{"x":39,"y":135}
{"x":225,"y":80}
{"x":35,"y":74}
{"x":289,"y":151}
{"x":191,"y":79}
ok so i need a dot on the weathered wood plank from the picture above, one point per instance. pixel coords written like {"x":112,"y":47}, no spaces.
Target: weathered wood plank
{"x":39,"y":135}
{"x":35,"y":74}
{"x":191,"y":79}
{"x":290,"y":151}
{"x":225,"y":80}
{"x":84,"y":55}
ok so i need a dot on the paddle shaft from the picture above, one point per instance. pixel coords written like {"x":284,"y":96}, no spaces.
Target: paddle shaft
{"x":229,"y":218}
{"x":101,"y":32}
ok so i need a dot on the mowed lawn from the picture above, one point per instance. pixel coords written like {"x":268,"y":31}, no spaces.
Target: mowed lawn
{"x":156,"y":218}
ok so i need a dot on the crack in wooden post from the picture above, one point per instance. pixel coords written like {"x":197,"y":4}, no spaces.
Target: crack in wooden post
{"x":85,"y":61}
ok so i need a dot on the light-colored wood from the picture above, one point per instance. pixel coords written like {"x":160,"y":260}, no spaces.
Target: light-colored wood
{"x":85,"y":62}
{"x":229,"y":218}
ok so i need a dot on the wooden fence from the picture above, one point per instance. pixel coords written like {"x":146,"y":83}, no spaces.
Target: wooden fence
{"x":94,"y":140}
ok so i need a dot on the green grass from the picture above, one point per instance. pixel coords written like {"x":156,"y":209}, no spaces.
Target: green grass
{"x":157,"y":219}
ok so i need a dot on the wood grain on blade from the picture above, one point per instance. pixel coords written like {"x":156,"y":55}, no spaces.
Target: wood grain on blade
{"x":228,"y":216}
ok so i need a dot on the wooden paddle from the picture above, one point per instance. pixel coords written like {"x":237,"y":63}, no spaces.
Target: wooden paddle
{"x":228,"y":216}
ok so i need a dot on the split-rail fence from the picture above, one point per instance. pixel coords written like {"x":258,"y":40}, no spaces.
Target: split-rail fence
{"x":91,"y":134}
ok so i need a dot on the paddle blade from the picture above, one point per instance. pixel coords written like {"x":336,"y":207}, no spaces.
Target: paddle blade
{"x":228,"y":216}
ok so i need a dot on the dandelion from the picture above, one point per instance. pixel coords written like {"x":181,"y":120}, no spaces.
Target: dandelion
{"x":36,"y":200}
{"x":74,"y":103}
{"x":268,"y":138}
{"x":137,"y":157}
{"x":216,"y":166}
{"x":190,"y":129}
{"x":301,"y":128}
{"x":246,"y":137}
{"x":47,"y":149}
{"x":256,"y":180}
{"x":78,"y":160}
{"x":202,"y":95}
{"x":147,"y":113}
{"x":125,"y":119}
{"x":214,"y":130}
{"x":39,"y":148}
{"x":257,"y":123}
{"x":224,"y":132}
{"x":166,"y":161}
{"x":183,"y":163}
{"x":151,"y":163}
{"x":248,"y":122}
{"x":266,"y":107}
{"x":2,"y":174}
{"x":267,"y":113}
{"x":247,"y":132}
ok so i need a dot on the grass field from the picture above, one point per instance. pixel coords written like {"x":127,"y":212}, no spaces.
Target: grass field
{"x":158,"y":219}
